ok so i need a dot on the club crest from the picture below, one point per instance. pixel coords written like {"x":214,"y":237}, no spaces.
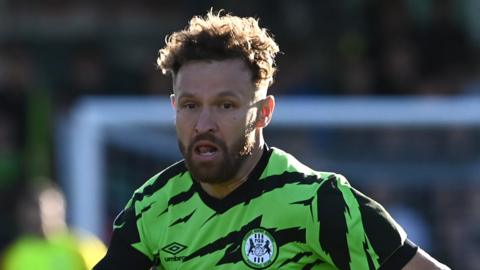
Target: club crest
{"x":259,"y":249}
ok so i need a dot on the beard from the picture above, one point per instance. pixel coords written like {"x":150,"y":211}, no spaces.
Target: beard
{"x":217,"y":172}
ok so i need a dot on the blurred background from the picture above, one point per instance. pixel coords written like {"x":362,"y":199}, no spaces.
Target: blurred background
{"x":63,"y":61}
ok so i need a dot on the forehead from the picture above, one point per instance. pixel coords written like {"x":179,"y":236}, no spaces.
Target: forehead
{"x":213,"y":77}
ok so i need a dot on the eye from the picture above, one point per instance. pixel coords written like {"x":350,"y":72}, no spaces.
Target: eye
{"x":189,"y":105}
{"x":227,"y":105}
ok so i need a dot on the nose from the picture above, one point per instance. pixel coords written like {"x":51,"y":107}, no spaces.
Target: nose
{"x":206,"y":122}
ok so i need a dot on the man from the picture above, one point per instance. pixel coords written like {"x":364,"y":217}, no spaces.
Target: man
{"x":234,"y":202}
{"x":45,"y":241}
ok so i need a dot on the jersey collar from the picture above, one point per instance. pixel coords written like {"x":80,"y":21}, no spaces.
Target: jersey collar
{"x":240,"y":194}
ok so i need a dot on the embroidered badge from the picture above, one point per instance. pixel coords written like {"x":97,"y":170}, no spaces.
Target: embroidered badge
{"x":259,"y":249}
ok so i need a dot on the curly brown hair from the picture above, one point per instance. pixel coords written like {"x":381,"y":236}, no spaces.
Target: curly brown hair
{"x":220,"y":36}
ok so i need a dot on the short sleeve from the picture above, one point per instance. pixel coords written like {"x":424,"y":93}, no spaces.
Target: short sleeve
{"x":125,"y":251}
{"x":354,"y":231}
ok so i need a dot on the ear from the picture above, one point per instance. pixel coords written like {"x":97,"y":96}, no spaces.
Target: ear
{"x":173,"y":101}
{"x":266,"y":111}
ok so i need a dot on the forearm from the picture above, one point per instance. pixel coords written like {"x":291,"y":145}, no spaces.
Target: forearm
{"x":423,"y":261}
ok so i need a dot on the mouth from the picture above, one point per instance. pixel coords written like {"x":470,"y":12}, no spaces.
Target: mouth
{"x":206,"y":149}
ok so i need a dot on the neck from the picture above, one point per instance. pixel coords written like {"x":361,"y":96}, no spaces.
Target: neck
{"x":221,"y":190}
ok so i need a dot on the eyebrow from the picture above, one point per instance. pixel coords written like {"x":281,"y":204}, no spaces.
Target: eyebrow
{"x":185,"y":95}
{"x":227,"y":93}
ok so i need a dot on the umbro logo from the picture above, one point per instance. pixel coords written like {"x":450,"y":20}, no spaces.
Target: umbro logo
{"x":174,"y":248}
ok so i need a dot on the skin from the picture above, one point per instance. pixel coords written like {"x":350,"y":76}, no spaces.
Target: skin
{"x":218,"y":106}
{"x":423,"y":261}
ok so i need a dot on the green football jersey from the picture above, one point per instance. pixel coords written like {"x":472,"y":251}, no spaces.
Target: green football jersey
{"x":285,"y":216}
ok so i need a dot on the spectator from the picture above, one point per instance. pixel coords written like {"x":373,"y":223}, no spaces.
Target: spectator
{"x":45,"y":241}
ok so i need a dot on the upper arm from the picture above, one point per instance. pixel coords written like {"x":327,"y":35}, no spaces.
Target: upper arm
{"x":124,"y":251}
{"x":373,"y":239}
{"x":424,"y":261}
{"x":354,"y":231}
{"x":121,"y":255}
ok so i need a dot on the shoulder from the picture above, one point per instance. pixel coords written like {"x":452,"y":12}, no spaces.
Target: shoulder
{"x":151,"y":195}
{"x":154,"y":191}
{"x":283,"y":163}
{"x":160,"y":180}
